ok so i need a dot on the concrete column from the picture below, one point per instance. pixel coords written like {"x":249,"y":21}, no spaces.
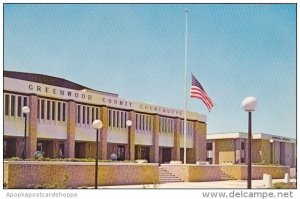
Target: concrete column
{"x":32,"y":126}
{"x":200,"y":141}
{"x":176,"y":149}
{"x":154,"y":149}
{"x":132,"y":116}
{"x":215,"y":152}
{"x":71,"y":125}
{"x":238,"y":155}
{"x":103,"y":133}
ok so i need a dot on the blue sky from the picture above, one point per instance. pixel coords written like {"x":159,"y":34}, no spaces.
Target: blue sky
{"x":137,"y":51}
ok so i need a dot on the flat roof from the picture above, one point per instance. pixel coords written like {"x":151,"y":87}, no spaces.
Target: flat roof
{"x":235,"y":135}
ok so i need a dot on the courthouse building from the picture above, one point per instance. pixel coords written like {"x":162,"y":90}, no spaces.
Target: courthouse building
{"x":61,"y":116}
{"x":232,"y":148}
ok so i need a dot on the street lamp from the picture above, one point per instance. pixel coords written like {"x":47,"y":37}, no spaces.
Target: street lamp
{"x":25,"y":111}
{"x":271,"y":143}
{"x":129,"y":124}
{"x":97,"y":124}
{"x":249,"y":105}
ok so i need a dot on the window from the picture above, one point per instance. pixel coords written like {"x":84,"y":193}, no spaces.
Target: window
{"x":136,"y":121}
{"x":42,"y":109}
{"x":48,"y":110}
{"x":25,"y":101}
{"x":122,"y":125}
{"x":83,"y":114}
{"x":6,"y":104}
{"x":242,"y":160}
{"x":140,"y":122}
{"x":242,"y":145}
{"x":118,"y":119}
{"x":78,"y":114}
{"x":19,"y":108}
{"x":114,"y":118}
{"x":93,"y":116}
{"x":88,"y":115}
{"x":58,"y":111}
{"x":109,"y":117}
{"x":38,"y":111}
{"x":150,"y":123}
{"x":53,"y":110}
{"x":209,"y":146}
{"x":64,"y":112}
{"x":97,"y":113}
{"x":12,"y":105}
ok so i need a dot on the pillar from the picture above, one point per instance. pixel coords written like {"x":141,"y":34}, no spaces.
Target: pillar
{"x":132,"y":116}
{"x":71,"y":125}
{"x":32,"y":126}
{"x":200,"y":141}
{"x":215,"y":152}
{"x":103,"y":133}
{"x":238,"y":154}
{"x":176,"y":149}
{"x":154,"y":149}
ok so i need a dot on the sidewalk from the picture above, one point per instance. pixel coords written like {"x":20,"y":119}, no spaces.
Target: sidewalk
{"x":230,"y":184}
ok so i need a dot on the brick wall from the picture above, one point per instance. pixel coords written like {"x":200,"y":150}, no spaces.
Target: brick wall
{"x":27,"y":174}
{"x":197,"y":173}
{"x":240,"y":171}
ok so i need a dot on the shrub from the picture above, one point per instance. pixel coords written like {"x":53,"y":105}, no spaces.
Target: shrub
{"x":282,"y":185}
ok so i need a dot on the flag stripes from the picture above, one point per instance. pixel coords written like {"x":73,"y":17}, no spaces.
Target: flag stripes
{"x":197,"y":91}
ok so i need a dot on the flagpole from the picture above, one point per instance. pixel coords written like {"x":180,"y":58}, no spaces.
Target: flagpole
{"x":185,"y":89}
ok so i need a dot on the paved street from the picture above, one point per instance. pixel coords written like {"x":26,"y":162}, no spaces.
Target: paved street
{"x":238,"y":184}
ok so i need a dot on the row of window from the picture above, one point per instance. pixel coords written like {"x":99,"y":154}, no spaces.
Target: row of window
{"x":143,"y":122}
{"x":117,"y":119}
{"x":51,"y":110}
{"x":166,"y":125}
{"x":57,"y":110}
{"x":209,"y":145}
{"x":87,"y":114}
{"x":13,"y":104}
{"x":189,"y":128}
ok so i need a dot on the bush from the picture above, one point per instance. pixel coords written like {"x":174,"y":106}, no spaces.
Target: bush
{"x":282,"y":185}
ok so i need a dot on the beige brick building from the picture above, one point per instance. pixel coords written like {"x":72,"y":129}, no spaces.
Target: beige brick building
{"x":231,"y":148}
{"x":61,"y":116}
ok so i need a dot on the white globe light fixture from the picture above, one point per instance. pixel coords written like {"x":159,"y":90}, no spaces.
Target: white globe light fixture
{"x":128,"y":123}
{"x":25,"y":110}
{"x":249,"y":105}
{"x":97,"y":124}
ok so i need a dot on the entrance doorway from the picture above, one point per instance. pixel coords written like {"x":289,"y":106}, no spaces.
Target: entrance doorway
{"x":121,"y":152}
{"x":142,"y":152}
{"x":166,"y":155}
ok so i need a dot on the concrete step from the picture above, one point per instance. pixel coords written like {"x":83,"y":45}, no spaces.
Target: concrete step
{"x":166,"y":176}
{"x":225,"y":176}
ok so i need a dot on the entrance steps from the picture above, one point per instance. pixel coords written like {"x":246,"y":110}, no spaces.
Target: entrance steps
{"x":166,"y":176}
{"x":225,"y":176}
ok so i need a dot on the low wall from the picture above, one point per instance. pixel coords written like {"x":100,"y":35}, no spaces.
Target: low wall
{"x":78,"y":174}
{"x":202,"y":173}
{"x":240,"y":171}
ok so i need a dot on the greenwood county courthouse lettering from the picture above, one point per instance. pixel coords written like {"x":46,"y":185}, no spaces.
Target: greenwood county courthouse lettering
{"x":61,"y":116}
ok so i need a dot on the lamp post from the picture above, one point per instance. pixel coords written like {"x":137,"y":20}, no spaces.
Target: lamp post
{"x":97,"y":124}
{"x":249,"y":105}
{"x":271,"y":143}
{"x":129,"y":124}
{"x":25,"y":111}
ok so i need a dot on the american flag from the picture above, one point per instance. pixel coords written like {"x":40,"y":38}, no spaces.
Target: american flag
{"x":197,"y":91}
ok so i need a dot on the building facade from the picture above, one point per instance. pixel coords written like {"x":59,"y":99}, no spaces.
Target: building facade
{"x":232,"y":148}
{"x":62,"y":113}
